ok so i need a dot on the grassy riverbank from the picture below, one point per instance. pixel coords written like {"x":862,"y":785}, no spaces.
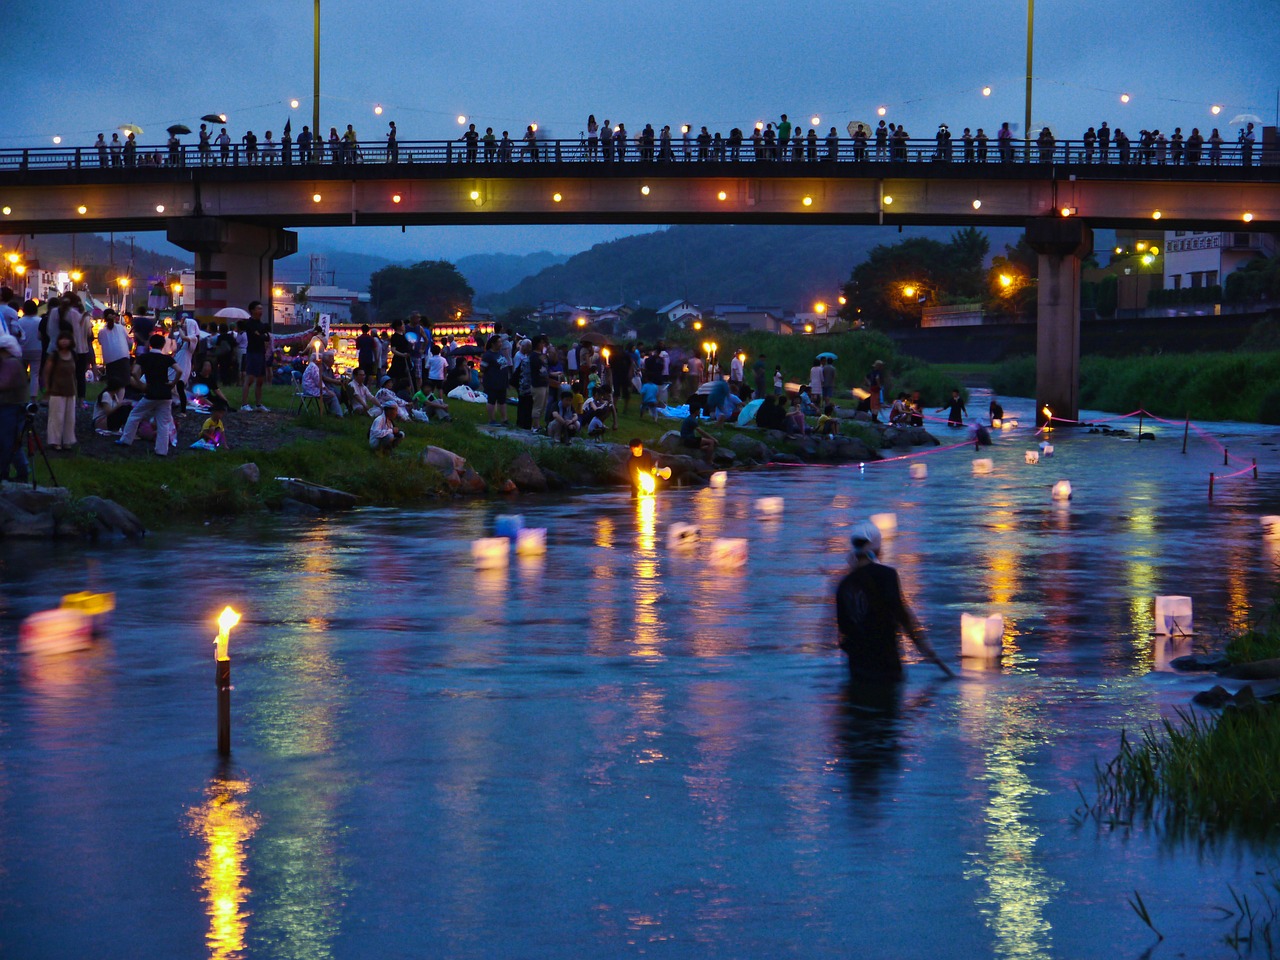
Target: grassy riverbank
{"x":1203,"y":772}
{"x":1243,"y":386}
{"x":194,"y":484}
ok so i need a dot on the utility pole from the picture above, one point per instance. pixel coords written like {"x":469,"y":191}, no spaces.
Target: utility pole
{"x":1026,"y":127}
{"x":315,"y":88}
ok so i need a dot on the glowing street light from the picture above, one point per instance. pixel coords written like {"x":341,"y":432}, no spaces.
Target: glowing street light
{"x":177,"y":289}
{"x":377,"y":110}
{"x":293,"y":104}
{"x":908,"y":290}
{"x":842,"y":300}
{"x":76,"y":276}
{"x":1124,"y":98}
{"x":123,"y":282}
{"x":1156,"y":214}
{"x":13,"y":258}
{"x":1247,"y":218}
{"x":1215,"y":109}
{"x":277,"y":291}
{"x":986,"y":91}
{"x":557,"y":197}
{"x":1006,"y":281}
{"x":644,"y":191}
{"x":881,"y":111}
{"x":819,"y":307}
{"x":82,"y":209}
{"x":977,"y":204}
{"x":697,"y":324}
{"x":57,"y":140}
{"x":815,"y":120}
{"x":475,"y":194}
{"x":462,"y":119}
{"x":581,"y":321}
{"x":722,"y":195}
{"x":807,"y":201}
{"x":808,"y":328}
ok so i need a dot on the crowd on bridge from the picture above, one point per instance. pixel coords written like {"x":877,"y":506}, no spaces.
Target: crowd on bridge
{"x":609,"y":142}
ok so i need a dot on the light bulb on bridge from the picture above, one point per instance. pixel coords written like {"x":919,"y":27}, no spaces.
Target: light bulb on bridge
{"x":462,"y":118}
{"x":556,"y":197}
{"x":807,"y":201}
{"x":6,"y":210}
{"x":159,"y":208}
{"x":815,"y":120}
{"x":977,"y":204}
{"x":57,"y":139}
{"x":316,"y":198}
{"x":881,"y":111}
{"x":986,"y":91}
{"x":1124,"y":98}
{"x":378,"y":110}
{"x":475,"y":194}
{"x":1215,"y":109}
{"x":294,"y":104}
{"x":888,"y":200}
{"x":395,"y":198}
{"x":722,"y":195}
{"x":1248,"y":218}
{"x":1156,"y":214}
{"x":684,"y":128}
{"x":644,"y":191}
{"x":82,"y":210}
{"x":759,"y":125}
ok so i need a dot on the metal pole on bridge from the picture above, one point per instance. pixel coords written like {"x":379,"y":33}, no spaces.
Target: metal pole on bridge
{"x":315,"y":86}
{"x":1026,"y":125}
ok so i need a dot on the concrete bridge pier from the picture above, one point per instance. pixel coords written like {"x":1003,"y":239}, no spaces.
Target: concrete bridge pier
{"x":1060,"y":242}
{"x":234,"y":261}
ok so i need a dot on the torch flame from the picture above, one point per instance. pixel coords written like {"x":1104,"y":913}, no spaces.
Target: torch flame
{"x":228,"y":619}
{"x":648,"y":485}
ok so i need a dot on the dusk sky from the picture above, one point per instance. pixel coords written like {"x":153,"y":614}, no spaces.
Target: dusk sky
{"x":506,"y":63}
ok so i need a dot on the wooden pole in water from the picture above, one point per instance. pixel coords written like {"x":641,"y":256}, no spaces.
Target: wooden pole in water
{"x":222,"y":680}
{"x":1186,"y":428}
{"x":1140,"y":412}
{"x":1255,"y":468}
{"x":1224,"y":456}
{"x":1211,"y":486}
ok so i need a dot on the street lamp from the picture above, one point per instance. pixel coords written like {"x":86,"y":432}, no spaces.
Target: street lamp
{"x":122,"y":286}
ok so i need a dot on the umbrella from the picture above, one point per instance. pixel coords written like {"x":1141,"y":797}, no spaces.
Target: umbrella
{"x":594,"y":338}
{"x":178,"y":128}
{"x":1242,"y":118}
{"x":470,"y":350}
{"x":214,"y":118}
{"x":854,"y":124}
{"x":827,"y":356}
{"x":288,"y":127}
{"x":131,"y":128}
{"x":232,"y":313}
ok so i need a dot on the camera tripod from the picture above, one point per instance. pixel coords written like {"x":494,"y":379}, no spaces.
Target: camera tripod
{"x":29,"y":434}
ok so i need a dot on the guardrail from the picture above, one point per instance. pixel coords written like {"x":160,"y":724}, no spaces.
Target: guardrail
{"x":800,"y":154}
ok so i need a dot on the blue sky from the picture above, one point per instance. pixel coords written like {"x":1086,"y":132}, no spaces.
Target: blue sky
{"x":77,"y":67}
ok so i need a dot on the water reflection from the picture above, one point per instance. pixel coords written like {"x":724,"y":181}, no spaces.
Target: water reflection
{"x":1018,"y":887}
{"x":225,"y":823}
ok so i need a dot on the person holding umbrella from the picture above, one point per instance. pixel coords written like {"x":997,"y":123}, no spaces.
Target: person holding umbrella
{"x":204,"y":145}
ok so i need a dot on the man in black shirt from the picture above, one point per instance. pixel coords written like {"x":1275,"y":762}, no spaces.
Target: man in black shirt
{"x":367,"y":353}
{"x":400,"y":348}
{"x":153,"y":369}
{"x":255,"y":359}
{"x":870,"y":610}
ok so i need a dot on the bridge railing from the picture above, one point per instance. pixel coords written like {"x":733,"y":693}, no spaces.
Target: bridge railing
{"x":824,"y":151}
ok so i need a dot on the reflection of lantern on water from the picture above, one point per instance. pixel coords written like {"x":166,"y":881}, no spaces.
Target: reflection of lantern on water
{"x":682,"y":536}
{"x":729,"y":552}
{"x":982,"y":466}
{"x":224,"y":823}
{"x":886,"y":523}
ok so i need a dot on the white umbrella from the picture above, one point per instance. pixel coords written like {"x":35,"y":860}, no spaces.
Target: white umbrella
{"x":1242,"y":118}
{"x":854,"y":124}
{"x":232,"y":313}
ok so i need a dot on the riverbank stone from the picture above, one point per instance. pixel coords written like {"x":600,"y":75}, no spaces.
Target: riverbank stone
{"x":247,"y":473}
{"x":1195,"y":662}
{"x":526,"y":474}
{"x":111,"y":517}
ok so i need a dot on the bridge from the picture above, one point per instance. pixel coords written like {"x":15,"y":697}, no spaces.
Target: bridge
{"x":232,"y":211}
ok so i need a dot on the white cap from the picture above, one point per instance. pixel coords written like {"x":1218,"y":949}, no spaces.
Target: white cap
{"x":866,"y":539}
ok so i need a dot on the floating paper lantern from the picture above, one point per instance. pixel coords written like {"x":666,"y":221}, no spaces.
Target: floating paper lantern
{"x":491,"y":552}
{"x":1062,"y":490}
{"x":728,"y":552}
{"x":1008,"y":424}
{"x":997,"y":423}
{"x":1046,"y":449}
{"x":508,"y":525}
{"x":1173,"y":616}
{"x":983,"y":465}
{"x":683,"y":536}
{"x":886,"y":523}
{"x":1033,"y":456}
{"x":1271,"y":527}
{"x":918,"y":471}
{"x":531,"y":541}
{"x":981,"y":637}
{"x":770,"y":506}
{"x":719,"y":479}
{"x":52,"y":632}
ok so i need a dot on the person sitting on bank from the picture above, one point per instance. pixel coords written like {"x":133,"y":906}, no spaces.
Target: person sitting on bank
{"x":900,"y":412}
{"x":204,"y":386}
{"x":362,"y":400}
{"x":433,"y":406}
{"x":693,"y":437}
{"x":772,"y":414}
{"x":385,"y":434}
{"x":564,"y":424}
{"x":795,"y":423}
{"x":870,"y":610}
{"x":596,"y":409}
{"x":828,"y":424}
{"x":214,"y":432}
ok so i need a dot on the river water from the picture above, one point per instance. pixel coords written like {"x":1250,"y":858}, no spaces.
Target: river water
{"x":617,"y":750}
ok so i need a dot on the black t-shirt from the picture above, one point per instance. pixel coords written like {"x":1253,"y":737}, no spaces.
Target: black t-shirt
{"x":689,"y":428}
{"x":400,"y":364}
{"x":653,"y":369}
{"x":155,"y":369}
{"x":869,"y":611}
{"x":644,"y":463}
{"x":537,"y":370}
{"x":256,"y":333}
{"x":495,"y":372}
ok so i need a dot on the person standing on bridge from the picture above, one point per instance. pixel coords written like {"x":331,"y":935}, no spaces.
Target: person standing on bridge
{"x":204,"y":145}
{"x":1104,"y":142}
{"x":472,"y":139}
{"x":335,"y":147}
{"x":393,"y":145}
{"x":115,"y":149}
{"x":882,"y":141}
{"x":490,"y":145}
{"x":982,"y":139}
{"x":223,"y":141}
{"x":351,"y":143}
{"x":1090,"y":141}
{"x":1246,"y":146}
{"x":1004,"y":140}
{"x":606,"y":140}
{"x":784,"y":136}
{"x":250,"y":148}
{"x":620,"y":141}
{"x":593,"y":137}
{"x":101,"y":146}
{"x":304,"y":145}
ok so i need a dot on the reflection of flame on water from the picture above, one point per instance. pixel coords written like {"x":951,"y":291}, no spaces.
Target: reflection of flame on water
{"x":225,"y":823}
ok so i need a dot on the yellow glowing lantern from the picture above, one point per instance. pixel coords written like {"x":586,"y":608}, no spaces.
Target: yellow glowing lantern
{"x":82,"y":210}
{"x":722,"y":195}
{"x":644,"y":191}
{"x":908,"y":291}
{"x":293,"y":104}
{"x":316,"y":198}
{"x":819,"y":307}
{"x":648,"y":483}
{"x":226,"y":620}
{"x":807,"y":201}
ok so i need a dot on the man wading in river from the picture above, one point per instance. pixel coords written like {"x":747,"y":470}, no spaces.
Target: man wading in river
{"x":869,"y":611}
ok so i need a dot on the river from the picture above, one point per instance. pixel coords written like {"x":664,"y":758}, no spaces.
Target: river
{"x":620,"y":750}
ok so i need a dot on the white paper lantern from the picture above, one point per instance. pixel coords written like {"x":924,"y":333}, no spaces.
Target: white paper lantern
{"x":491,"y":552}
{"x":981,"y":637}
{"x":531,"y":541}
{"x":918,"y":471}
{"x":1173,"y":616}
{"x":1271,"y":527}
{"x":1008,"y":424}
{"x":682,"y":536}
{"x":728,"y":552}
{"x":508,"y":525}
{"x":1062,"y":490}
{"x":719,"y":479}
{"x":886,"y":523}
{"x":983,"y":466}
{"x":997,"y":423}
{"x":52,"y":632}
{"x":1033,"y":456}
{"x":1046,"y":449}
{"x":770,"y":506}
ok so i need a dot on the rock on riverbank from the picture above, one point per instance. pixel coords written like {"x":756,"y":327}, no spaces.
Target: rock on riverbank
{"x":42,"y":513}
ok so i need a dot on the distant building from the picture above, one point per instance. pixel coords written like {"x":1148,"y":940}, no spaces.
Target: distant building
{"x":681,"y":312}
{"x":1195,"y":258}
{"x":953,"y":315}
